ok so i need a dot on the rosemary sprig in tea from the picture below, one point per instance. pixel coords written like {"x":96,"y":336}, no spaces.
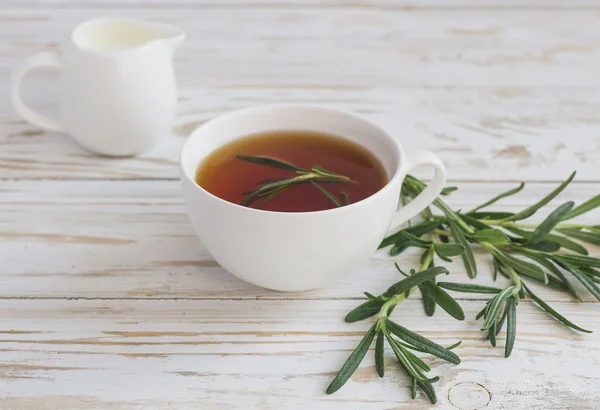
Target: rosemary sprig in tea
{"x":272,"y":187}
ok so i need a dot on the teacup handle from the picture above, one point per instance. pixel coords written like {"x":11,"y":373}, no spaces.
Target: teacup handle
{"x":429,"y":194}
{"x":45,"y":59}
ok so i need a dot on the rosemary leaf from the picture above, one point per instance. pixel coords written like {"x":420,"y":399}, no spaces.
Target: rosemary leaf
{"x":511,"y":325}
{"x":369,"y":308}
{"x":352,"y":362}
{"x":429,"y":391}
{"x":567,"y":243}
{"x":474,"y":222}
{"x":447,"y":250}
{"x":410,"y":366}
{"x":551,"y":221}
{"x":496,"y":266}
{"x":272,"y":195}
{"x":332,"y":176}
{"x":553,"y":312}
{"x":445,"y":301}
{"x":268,"y":189}
{"x":400,"y":270}
{"x":414,"y":240}
{"x":428,"y":302}
{"x":589,"y":237}
{"x":520,"y":265}
{"x":482,"y":312}
{"x":543,"y":246}
{"x":269,"y":181}
{"x":591,"y":272}
{"x":347,"y":200}
{"x":583,"y":208}
{"x":449,"y":189}
{"x":418,"y":361}
{"x":493,"y":236}
{"x":548,"y":264}
{"x":406,"y":284}
{"x":492,"y":332}
{"x":526,"y":213}
{"x":468,"y":287}
{"x":398,"y":248}
{"x":581,"y":277}
{"x":416,"y":349}
{"x":327,"y":194}
{"x":491,"y":316}
{"x":371,"y":296}
{"x":499,"y":197}
{"x":379,"y":365}
{"x":467,"y":256}
{"x":416,"y":230}
{"x":578,"y":260}
{"x":502,"y":320}
{"x":490,"y":215}
{"x":422,"y":342}
{"x":560,"y":240}
{"x":271,"y":162}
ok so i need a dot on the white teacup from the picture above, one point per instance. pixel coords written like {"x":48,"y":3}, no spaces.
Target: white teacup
{"x":289,"y":251}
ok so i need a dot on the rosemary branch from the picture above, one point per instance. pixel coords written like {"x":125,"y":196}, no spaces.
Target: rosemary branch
{"x":268,"y":189}
{"x":549,"y":253}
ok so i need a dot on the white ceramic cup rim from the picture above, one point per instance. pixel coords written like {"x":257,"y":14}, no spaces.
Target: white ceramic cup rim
{"x":185,"y":167}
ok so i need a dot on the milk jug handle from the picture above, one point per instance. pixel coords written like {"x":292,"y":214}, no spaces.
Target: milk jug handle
{"x":45,"y":59}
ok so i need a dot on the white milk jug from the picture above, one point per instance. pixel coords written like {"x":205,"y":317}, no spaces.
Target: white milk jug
{"x":117,"y":86}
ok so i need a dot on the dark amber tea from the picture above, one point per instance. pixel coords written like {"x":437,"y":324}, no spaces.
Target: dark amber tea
{"x":291,"y":171}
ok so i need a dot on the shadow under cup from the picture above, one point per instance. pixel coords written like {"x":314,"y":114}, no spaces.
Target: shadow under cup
{"x":290,"y":251}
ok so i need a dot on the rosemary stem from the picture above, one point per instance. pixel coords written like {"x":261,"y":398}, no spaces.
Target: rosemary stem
{"x":464,"y":226}
{"x":442,"y":232}
{"x":383,"y":312}
{"x":428,"y":259}
{"x":512,"y":274}
{"x":527,"y":250}
{"x":516,"y":280}
{"x":508,"y":224}
{"x":450,"y":214}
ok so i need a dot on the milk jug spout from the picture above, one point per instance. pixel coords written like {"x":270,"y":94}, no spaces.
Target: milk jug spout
{"x":113,"y":34}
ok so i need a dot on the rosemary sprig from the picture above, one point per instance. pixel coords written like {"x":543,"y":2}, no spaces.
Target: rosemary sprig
{"x":403,"y":342}
{"x":270,"y":188}
{"x":547,"y":253}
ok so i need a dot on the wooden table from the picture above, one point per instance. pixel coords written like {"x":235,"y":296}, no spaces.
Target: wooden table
{"x":107,"y":300}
